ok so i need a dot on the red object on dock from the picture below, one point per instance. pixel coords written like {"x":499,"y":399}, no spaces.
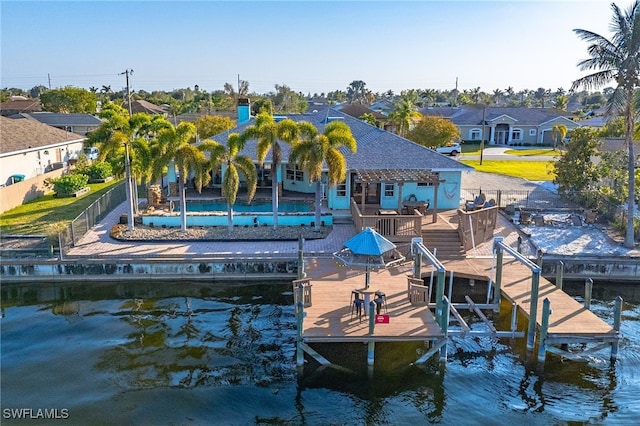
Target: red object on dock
{"x":382,"y":319}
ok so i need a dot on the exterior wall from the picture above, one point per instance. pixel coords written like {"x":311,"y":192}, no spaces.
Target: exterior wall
{"x":336,"y":202}
{"x":34,"y":162}
{"x":29,"y":189}
{"x":448,"y":193}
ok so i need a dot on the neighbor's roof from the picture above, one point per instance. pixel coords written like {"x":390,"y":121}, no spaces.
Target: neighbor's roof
{"x":471,"y":115}
{"x":56,"y":119}
{"x":377,"y":149}
{"x":144,"y":106}
{"x":20,"y":105}
{"x":21,"y":134}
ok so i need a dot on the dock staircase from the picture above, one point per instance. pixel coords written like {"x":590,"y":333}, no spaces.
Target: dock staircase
{"x":446,"y":241}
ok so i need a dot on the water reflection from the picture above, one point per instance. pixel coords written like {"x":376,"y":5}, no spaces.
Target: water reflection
{"x":225,"y":353}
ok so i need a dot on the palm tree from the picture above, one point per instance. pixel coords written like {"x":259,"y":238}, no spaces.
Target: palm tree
{"x":188,"y":158}
{"x":559,"y":132}
{"x":269,"y":134}
{"x":218,"y":155}
{"x":175,"y":151}
{"x":314,"y":150}
{"x":617,"y":59}
{"x":404,"y":114}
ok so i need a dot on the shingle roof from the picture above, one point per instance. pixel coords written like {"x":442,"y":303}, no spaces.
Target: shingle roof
{"x":145,"y":106}
{"x":358,"y":111}
{"x":472,"y":115}
{"x":56,"y":119}
{"x":20,"y":105}
{"x":20,"y":134}
{"x":377,"y":149}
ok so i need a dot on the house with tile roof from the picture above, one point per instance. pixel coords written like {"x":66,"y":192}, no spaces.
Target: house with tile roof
{"x":386,"y":169}
{"x":505,"y":125}
{"x":80,"y":124}
{"x":30,"y":148}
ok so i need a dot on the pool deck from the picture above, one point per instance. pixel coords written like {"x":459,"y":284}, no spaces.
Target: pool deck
{"x":97,"y":243}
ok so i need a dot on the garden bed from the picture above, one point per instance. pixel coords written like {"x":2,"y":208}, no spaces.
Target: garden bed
{"x":79,"y":193}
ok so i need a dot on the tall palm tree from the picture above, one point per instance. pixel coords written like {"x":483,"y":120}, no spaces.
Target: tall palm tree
{"x":228,"y":156}
{"x":189,"y":159}
{"x":314,"y":150}
{"x":269,"y":135}
{"x":617,"y":59}
{"x":175,"y":151}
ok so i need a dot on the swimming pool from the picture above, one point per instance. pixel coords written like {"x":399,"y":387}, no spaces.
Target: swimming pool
{"x":214,"y":213}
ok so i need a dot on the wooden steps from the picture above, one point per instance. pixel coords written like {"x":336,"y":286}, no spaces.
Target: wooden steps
{"x":446,"y":241}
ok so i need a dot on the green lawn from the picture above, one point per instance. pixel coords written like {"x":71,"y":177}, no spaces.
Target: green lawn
{"x":40,"y":215}
{"x":530,"y":170}
{"x":550,"y":152}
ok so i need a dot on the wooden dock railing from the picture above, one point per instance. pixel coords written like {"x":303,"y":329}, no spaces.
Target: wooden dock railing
{"x":417,"y":292}
{"x":396,"y":228}
{"x":476,"y":226}
{"x":302,"y":289}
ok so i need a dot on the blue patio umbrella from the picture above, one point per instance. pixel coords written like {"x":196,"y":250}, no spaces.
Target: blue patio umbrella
{"x":370,"y":250}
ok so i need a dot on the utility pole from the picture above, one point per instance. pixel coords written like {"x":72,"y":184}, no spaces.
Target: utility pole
{"x":127,"y":165}
{"x":126,"y":73}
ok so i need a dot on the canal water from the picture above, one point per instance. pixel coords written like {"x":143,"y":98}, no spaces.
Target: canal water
{"x":194,"y":353}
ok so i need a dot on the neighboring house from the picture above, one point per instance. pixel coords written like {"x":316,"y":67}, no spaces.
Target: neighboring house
{"x":80,"y":124}
{"x":385,"y":170}
{"x":146,"y":107}
{"x":357,"y":111}
{"x":597,"y":122}
{"x":29,"y":148}
{"x":505,"y":125}
{"x":18,"y":106}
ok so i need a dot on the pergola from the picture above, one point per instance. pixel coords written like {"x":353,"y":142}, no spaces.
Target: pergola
{"x":400,"y":176}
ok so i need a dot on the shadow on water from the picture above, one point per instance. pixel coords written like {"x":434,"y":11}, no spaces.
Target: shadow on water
{"x":225,"y":353}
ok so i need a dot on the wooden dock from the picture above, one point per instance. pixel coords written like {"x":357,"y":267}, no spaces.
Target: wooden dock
{"x":569,"y":317}
{"x":329,"y":318}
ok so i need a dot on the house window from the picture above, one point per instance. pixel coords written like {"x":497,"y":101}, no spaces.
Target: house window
{"x":435,"y":175}
{"x":516,"y":134}
{"x":532,"y":132}
{"x":341,"y":189}
{"x":294,"y":173}
{"x":389,"y":189}
{"x":475,"y":134}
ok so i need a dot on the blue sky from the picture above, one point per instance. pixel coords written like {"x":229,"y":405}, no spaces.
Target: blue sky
{"x":311,"y":46}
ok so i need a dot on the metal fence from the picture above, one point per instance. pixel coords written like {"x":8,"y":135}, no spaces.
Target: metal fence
{"x":91,"y":216}
{"x":541,"y":199}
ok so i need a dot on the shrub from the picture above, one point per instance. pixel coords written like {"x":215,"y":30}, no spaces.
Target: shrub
{"x":68,"y":184}
{"x":99,"y":171}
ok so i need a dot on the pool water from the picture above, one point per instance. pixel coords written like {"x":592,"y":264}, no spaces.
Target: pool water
{"x":257,"y":206}
{"x":197,"y":353}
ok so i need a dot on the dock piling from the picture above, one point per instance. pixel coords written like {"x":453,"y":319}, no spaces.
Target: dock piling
{"x":617,"y":315}
{"x":588,"y":289}
{"x":535,"y":289}
{"x":559,"y":274}
{"x":544,"y":329}
{"x":514,"y":318}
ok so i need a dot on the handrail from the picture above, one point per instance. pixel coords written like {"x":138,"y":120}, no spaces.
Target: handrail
{"x":525,"y":261}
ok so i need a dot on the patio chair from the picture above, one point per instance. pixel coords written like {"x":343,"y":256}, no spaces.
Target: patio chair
{"x":380,"y":301}
{"x":357,"y":305}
